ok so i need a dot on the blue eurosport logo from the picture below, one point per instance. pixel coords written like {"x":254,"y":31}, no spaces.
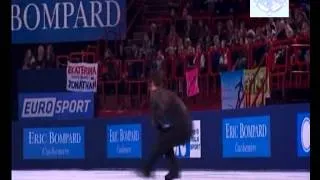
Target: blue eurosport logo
{"x":303,"y":134}
{"x":246,"y":137}
{"x":53,"y":143}
{"x":124,"y":141}
{"x":44,"y":21}
{"x":56,"y":106}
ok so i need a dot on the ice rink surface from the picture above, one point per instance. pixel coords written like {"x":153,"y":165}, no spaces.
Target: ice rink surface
{"x":186,"y":175}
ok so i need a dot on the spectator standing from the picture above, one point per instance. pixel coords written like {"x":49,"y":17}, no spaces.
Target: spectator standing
{"x":190,"y":30}
{"x":28,"y":60}
{"x":154,"y":36}
{"x":107,"y":53}
{"x":50,"y":57}
{"x":40,"y":61}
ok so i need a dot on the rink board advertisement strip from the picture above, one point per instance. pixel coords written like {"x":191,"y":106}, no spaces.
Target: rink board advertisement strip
{"x":276,"y":142}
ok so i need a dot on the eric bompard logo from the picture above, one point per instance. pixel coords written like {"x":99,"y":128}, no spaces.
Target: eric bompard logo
{"x":53,"y":143}
{"x":124,"y":136}
{"x":124,"y":141}
{"x":53,"y":138}
{"x":49,"y":106}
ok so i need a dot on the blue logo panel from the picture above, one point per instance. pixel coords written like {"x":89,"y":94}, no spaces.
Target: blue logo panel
{"x":303,"y":134}
{"x":44,"y":21}
{"x":56,"y":106}
{"x":124,"y":141}
{"x":246,"y":137}
{"x":53,"y":143}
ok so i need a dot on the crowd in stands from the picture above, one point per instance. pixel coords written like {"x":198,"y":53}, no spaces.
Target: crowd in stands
{"x":183,"y":42}
{"x":45,"y":58}
{"x":186,"y":38}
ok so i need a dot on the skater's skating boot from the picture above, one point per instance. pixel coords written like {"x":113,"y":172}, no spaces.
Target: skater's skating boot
{"x":172,"y":176}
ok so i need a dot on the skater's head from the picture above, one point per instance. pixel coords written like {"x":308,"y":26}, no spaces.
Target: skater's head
{"x":155,"y":81}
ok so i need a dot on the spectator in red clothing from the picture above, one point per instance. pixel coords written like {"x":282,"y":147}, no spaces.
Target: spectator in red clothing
{"x":28,"y":60}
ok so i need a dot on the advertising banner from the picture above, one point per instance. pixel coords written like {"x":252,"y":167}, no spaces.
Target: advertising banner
{"x":303,"y":134}
{"x":53,"y":143}
{"x":56,"y":106}
{"x":192,"y":82}
{"x":231,"y":89}
{"x":246,"y":137}
{"x":47,"y":21}
{"x":261,"y":80}
{"x":124,"y":141}
{"x":191,"y":149}
{"x":82,"y":77}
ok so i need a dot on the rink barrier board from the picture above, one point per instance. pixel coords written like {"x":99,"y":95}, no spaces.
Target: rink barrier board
{"x":283,"y":142}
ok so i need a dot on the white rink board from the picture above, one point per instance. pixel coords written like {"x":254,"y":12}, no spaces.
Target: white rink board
{"x":186,"y":175}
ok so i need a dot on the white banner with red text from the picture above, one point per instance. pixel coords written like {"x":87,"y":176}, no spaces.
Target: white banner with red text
{"x":82,"y":77}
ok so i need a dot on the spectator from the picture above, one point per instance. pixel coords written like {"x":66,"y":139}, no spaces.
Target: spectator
{"x":185,"y":13}
{"x":207,"y":42}
{"x":173,"y":17}
{"x":135,"y":51}
{"x":216,"y":42}
{"x":28,"y":60}
{"x":243,"y":29}
{"x":200,"y":31}
{"x":40,"y":61}
{"x":171,"y":49}
{"x":50,"y":58}
{"x":121,"y":50}
{"x":157,"y":63}
{"x":190,"y":52}
{"x":250,"y":37}
{"x":307,"y":57}
{"x":146,"y":47}
{"x":154,"y":36}
{"x":180,"y":47}
{"x":207,"y":31}
{"x":230,"y":28}
{"x":305,"y":30}
{"x":190,"y":30}
{"x":223,"y":60}
{"x":107,"y":53}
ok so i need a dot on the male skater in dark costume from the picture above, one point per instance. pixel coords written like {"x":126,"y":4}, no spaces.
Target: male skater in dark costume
{"x":171,"y":118}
